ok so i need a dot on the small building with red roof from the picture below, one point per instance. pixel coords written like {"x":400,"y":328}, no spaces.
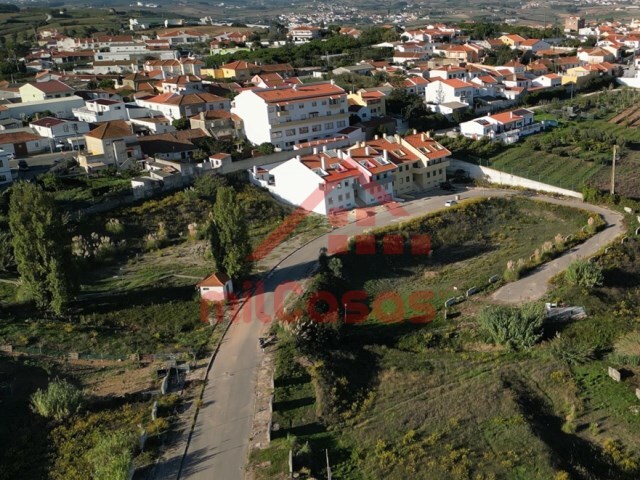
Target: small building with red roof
{"x":217,"y":287}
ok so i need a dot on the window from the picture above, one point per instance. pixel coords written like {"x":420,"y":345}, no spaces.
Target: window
{"x":65,"y":128}
{"x":314,"y":104}
{"x":290,"y":132}
{"x":316,"y":128}
{"x":301,"y":105}
{"x":348,"y":196}
{"x":276,"y":135}
{"x":328,"y":126}
{"x":401,"y":180}
{"x":304,"y":130}
{"x":3,"y":178}
{"x":407,"y":179}
{"x":341,"y":123}
{"x":440,"y":171}
{"x":330,"y":201}
{"x":346,"y":182}
{"x":340,"y":198}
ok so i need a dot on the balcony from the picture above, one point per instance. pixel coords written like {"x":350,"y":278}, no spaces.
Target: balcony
{"x":282,"y":113}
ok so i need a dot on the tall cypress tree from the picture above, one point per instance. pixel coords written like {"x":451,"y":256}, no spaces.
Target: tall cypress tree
{"x":41,"y":246}
{"x":229,"y":235}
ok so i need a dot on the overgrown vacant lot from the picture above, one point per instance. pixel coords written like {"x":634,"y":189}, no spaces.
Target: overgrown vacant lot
{"x":471,"y":243}
{"x":443,"y":400}
{"x":137,"y":268}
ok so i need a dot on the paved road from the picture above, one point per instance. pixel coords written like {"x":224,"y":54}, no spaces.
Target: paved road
{"x":220,"y":441}
{"x":534,"y":286}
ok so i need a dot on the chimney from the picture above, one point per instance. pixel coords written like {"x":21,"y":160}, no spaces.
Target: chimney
{"x":385,"y":155}
{"x":202,"y":116}
{"x":255,"y":169}
{"x":298,"y":157}
{"x":376,"y":137}
{"x":324,"y":149}
{"x":339,"y":152}
{"x":366,"y":151}
{"x":315,"y":150}
{"x":423,"y":137}
{"x":397,"y":137}
{"x":428,"y":134}
{"x":415,"y":131}
{"x":323,"y":163}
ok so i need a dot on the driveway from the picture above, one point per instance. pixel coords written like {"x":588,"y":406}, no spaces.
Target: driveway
{"x":220,"y":442}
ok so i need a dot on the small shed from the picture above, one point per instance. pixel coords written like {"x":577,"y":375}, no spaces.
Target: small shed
{"x":216,"y":287}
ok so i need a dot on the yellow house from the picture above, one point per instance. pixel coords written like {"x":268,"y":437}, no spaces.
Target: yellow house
{"x":215,"y":73}
{"x":240,"y":70}
{"x":578,"y":75}
{"x":513,"y":41}
{"x":374,"y":100}
{"x":110,"y":144}
{"x":38,"y":91}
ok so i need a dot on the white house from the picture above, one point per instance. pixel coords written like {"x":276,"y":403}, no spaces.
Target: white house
{"x":101,"y":110}
{"x":292,"y":114}
{"x":5,"y":169}
{"x":60,"y":107}
{"x":22,"y":142}
{"x":216,"y":288}
{"x":322,"y":182}
{"x":507,"y":126}
{"x":549,"y":80}
{"x":451,"y":94}
{"x":304,"y":33}
{"x":61,"y":131}
{"x":174,"y":105}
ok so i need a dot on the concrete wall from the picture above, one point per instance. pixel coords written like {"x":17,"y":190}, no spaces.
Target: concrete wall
{"x":503,"y":178}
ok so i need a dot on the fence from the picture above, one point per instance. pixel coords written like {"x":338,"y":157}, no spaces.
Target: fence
{"x":10,"y":349}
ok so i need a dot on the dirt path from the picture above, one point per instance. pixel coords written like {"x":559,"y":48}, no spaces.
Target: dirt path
{"x":535,"y":286}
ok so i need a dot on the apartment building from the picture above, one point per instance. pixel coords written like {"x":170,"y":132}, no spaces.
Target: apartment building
{"x":292,"y":114}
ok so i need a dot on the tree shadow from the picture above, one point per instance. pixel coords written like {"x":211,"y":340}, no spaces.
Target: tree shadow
{"x":580,"y":458}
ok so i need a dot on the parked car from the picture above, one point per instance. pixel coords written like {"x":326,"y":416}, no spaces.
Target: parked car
{"x":23,"y":166}
{"x":450,"y":203}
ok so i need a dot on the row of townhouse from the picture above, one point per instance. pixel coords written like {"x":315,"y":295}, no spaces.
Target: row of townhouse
{"x":367,"y":173}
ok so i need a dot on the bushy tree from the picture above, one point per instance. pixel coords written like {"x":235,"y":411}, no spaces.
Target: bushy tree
{"x":7,"y":259}
{"x":206,"y":186}
{"x":59,"y":400}
{"x":112,"y":457}
{"x":41,"y":246}
{"x":584,"y":274}
{"x":181,"y":123}
{"x":515,"y":328}
{"x":229,"y":235}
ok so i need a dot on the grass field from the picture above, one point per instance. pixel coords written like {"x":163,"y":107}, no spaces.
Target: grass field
{"x":437,"y":400}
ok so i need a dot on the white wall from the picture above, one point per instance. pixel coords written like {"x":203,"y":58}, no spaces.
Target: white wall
{"x":503,"y":178}
{"x":5,"y":169}
{"x":61,"y":107}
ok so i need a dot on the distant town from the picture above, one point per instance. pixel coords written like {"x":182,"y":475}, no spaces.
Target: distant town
{"x":254,"y":241}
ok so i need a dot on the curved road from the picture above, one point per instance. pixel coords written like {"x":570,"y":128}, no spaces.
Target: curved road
{"x":219,"y":444}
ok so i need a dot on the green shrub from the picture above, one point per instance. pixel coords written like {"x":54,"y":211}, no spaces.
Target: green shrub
{"x":584,"y":274}
{"x":515,"y":328}
{"x":59,"y":401}
{"x":112,"y":456}
{"x":569,"y":350}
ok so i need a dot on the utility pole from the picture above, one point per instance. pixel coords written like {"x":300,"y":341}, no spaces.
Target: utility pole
{"x":613,"y":171}
{"x":328,"y":466}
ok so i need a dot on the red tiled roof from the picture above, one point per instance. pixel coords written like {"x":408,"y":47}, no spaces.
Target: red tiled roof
{"x":216,"y":280}
{"x":52,"y":86}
